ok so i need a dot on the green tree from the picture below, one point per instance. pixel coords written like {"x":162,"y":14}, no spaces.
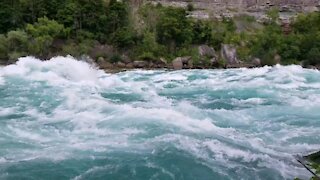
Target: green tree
{"x":117,"y":16}
{"x":148,"y":48}
{"x":313,"y":56}
{"x":17,"y":41}
{"x":174,"y":28}
{"x":43,"y":33}
{"x":45,"y":27}
{"x":3,"y":47}
{"x":10,"y":15}
{"x":202,"y":32}
{"x":123,"y":37}
{"x":267,"y":43}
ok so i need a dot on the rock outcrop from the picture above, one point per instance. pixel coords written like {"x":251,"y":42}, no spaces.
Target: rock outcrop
{"x":250,"y":3}
{"x":229,"y":54}
{"x":140,"y":64}
{"x":256,"y":62}
{"x":206,"y":51}
{"x":177,"y":63}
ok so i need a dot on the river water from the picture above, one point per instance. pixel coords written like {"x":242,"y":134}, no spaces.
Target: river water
{"x":64,"y":119}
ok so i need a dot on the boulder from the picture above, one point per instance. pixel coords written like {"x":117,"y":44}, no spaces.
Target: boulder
{"x":206,"y":51}
{"x":129,"y":66}
{"x":140,"y":64}
{"x":102,"y":63}
{"x":160,"y":63}
{"x":277,"y":59}
{"x":229,"y":53}
{"x":121,"y":65}
{"x":187,"y":62}
{"x":151,"y":65}
{"x":177,"y":63}
{"x":214,"y":62}
{"x":256,"y":62}
{"x":87,"y":59}
{"x":125,"y":59}
{"x":163,"y":61}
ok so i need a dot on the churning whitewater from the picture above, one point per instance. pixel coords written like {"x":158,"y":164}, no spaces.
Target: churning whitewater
{"x":64,"y":119}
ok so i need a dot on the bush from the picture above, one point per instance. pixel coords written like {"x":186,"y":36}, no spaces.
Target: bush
{"x":77,"y":49}
{"x":190,"y":7}
{"x":43,"y":33}
{"x":174,"y":29}
{"x":147,"y":56}
{"x":202,"y":32}
{"x":17,"y":41}
{"x":123,"y":37}
{"x":3,"y":47}
{"x":16,"y":55}
{"x":46,"y":27}
{"x":313,"y":56}
{"x":149,"y":48}
{"x":115,"y":58}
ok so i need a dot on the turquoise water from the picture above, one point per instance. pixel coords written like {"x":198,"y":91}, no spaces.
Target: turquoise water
{"x":63,"y":119}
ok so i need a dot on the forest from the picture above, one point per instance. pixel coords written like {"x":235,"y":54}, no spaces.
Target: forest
{"x":147,"y":32}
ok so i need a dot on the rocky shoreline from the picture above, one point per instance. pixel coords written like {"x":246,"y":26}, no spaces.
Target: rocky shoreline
{"x":208,"y":59}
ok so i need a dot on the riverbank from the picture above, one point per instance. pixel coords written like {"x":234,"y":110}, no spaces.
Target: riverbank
{"x":155,"y":36}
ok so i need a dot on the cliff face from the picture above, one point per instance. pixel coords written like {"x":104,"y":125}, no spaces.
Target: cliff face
{"x":247,"y":3}
{"x":251,"y":3}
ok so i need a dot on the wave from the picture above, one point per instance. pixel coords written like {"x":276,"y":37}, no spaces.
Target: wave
{"x":227,"y":123}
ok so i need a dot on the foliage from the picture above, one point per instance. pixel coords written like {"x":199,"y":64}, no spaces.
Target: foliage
{"x":313,"y":56}
{"x":43,"y":32}
{"x":115,"y":58}
{"x":77,"y":49}
{"x":45,"y":27}
{"x":123,"y":37}
{"x":190,"y":7}
{"x":17,"y":40}
{"x":174,"y":28}
{"x":202,"y":32}
{"x":32,"y":27}
{"x":273,"y":14}
{"x":3,"y":47}
{"x":149,"y":48}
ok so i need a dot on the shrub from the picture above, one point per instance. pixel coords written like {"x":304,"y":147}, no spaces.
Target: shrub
{"x":3,"y":47}
{"x":46,"y":27}
{"x":190,"y":7}
{"x":313,"y":56}
{"x":115,"y":58}
{"x":77,"y":49}
{"x":174,"y":28}
{"x":17,"y":40}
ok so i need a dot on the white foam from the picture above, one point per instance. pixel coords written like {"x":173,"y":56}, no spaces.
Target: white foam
{"x":85,"y":121}
{"x":7,"y":111}
{"x":57,"y":71}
